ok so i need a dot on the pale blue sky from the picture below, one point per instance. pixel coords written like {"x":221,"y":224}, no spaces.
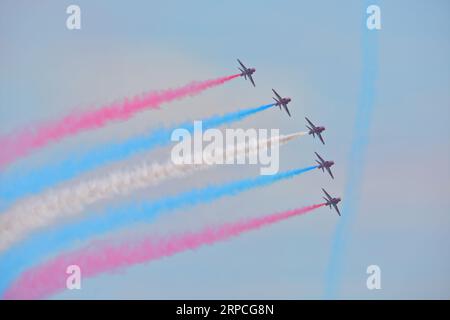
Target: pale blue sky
{"x":309,"y":50}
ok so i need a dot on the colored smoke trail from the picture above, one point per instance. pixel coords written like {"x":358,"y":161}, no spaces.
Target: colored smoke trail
{"x":38,"y":246}
{"x":50,"y":277}
{"x":357,"y":156}
{"x":16,"y":185}
{"x":42,"y":210}
{"x":21,"y":143}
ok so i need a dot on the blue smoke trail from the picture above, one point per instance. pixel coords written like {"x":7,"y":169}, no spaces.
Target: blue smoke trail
{"x":15,"y":185}
{"x":356,"y":161}
{"x":21,"y":256}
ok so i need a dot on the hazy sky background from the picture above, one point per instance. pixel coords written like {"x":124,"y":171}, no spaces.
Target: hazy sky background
{"x":308,"y":50}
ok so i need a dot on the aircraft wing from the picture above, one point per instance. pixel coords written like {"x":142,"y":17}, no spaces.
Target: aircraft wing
{"x":310,"y":123}
{"x":251,"y":79}
{"x":319,"y":157}
{"x":278,"y":96}
{"x":337,"y":209}
{"x":245,"y":68}
{"x":327,"y":194}
{"x":329,"y":171}
{"x":320,"y":137}
{"x":287,"y":110}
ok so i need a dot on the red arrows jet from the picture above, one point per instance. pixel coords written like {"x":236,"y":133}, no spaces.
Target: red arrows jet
{"x":330,"y":201}
{"x":282,"y":102}
{"x":315,"y":130}
{"x":247,"y":72}
{"x":324,"y":164}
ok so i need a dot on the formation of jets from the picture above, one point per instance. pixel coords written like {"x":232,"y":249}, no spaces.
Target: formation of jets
{"x":313,"y":130}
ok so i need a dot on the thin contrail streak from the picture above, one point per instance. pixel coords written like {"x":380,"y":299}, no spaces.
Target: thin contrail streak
{"x":356,"y":162}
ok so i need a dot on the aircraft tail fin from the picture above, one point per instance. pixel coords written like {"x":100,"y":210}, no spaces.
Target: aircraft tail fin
{"x":278,"y":102}
{"x":243,"y":73}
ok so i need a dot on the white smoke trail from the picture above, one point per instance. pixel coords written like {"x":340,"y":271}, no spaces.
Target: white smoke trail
{"x":42,"y":210}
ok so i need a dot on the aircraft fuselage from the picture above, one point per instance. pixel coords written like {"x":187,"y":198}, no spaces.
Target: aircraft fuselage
{"x":326,"y":164}
{"x":284,"y":101}
{"x":248,"y":72}
{"x":333,"y":201}
{"x":317,"y":130}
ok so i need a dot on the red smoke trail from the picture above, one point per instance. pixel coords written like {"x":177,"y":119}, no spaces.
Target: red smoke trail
{"x":51,"y":276}
{"x":22,"y":142}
